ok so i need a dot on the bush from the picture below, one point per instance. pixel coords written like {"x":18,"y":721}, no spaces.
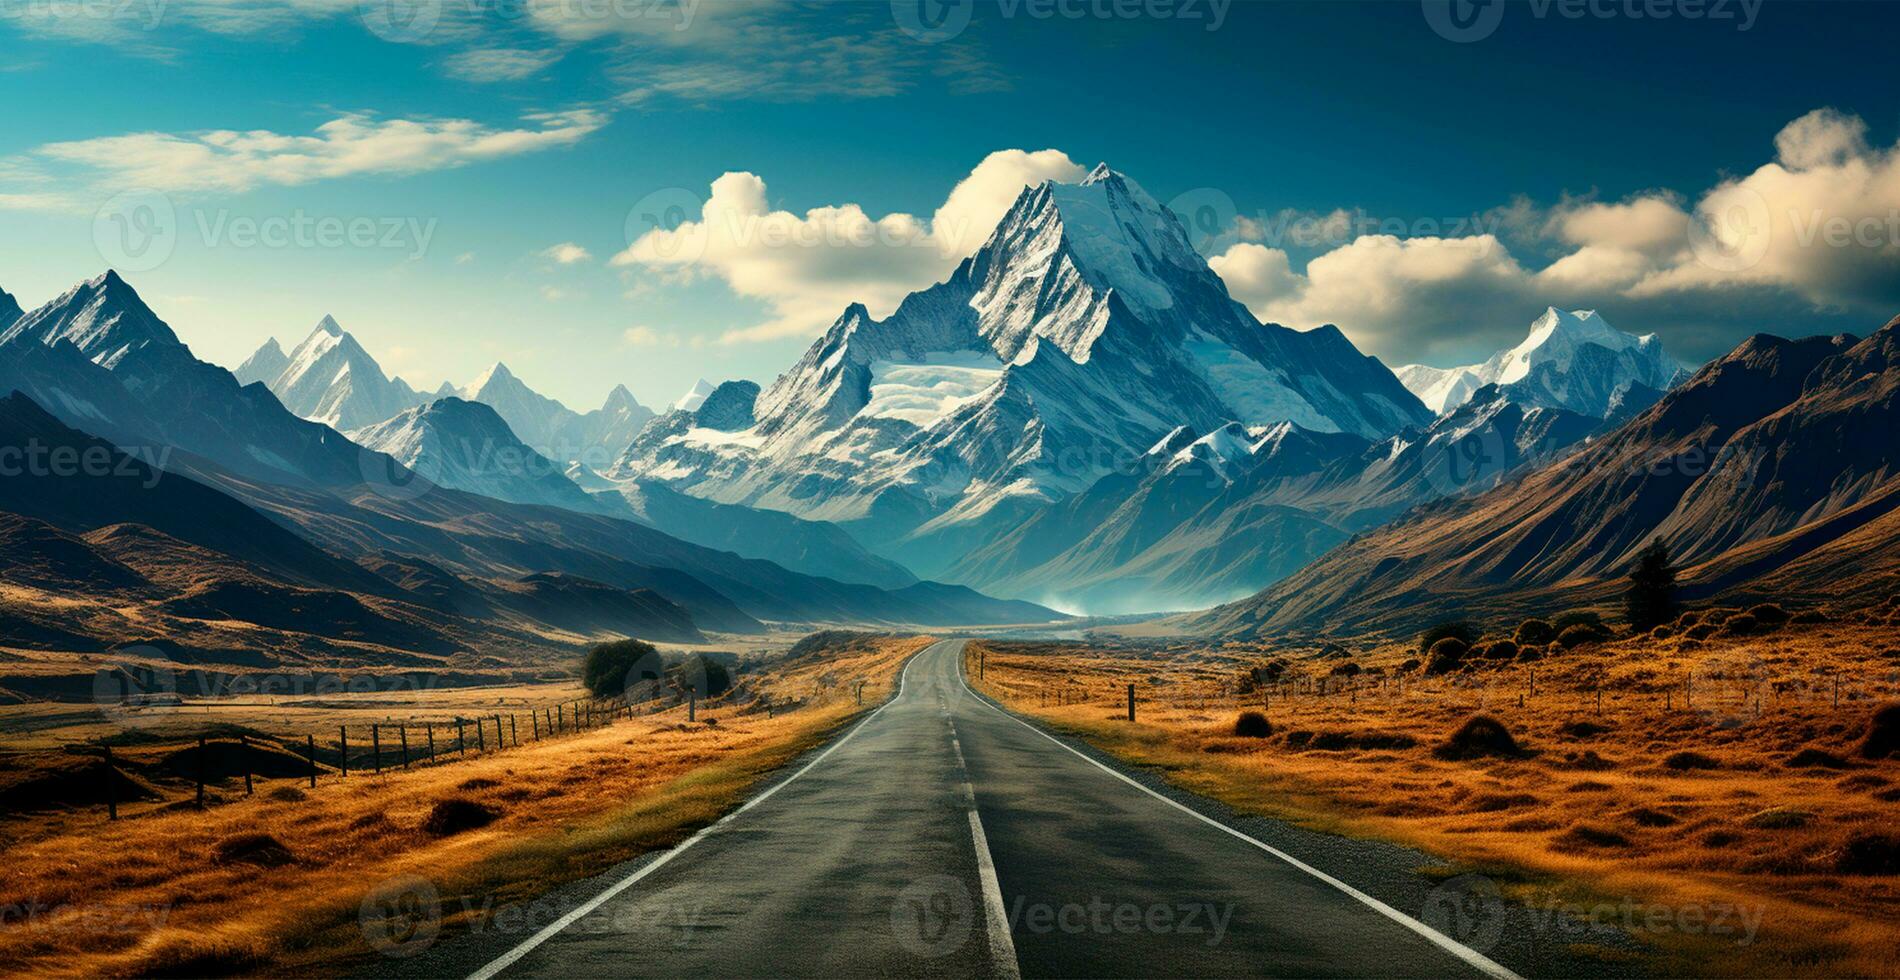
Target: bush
{"x":703,"y":674}
{"x":1768,"y":614}
{"x":1528,"y":654}
{"x":1411,"y":663}
{"x":1445,"y":655}
{"x":1813,"y":758}
{"x":1700,"y":631}
{"x":1580,"y":634}
{"x":1252,"y":724}
{"x":1686,"y":760}
{"x":612,"y":667}
{"x":1578,"y":617}
{"x":456,"y":814}
{"x":1501,"y":650}
{"x":1535,"y":632}
{"x":1347,"y":669}
{"x":1742,"y":624}
{"x":1883,"y":733}
{"x":1480,"y":735}
{"x":262,"y":850}
{"x":1869,"y":854}
{"x":1463,"y":632}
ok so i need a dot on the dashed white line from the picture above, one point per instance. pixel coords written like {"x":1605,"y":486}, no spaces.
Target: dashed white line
{"x":995,"y":919}
{"x":1471,"y":957}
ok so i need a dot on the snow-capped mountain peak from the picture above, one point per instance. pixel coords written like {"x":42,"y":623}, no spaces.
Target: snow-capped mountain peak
{"x":330,"y":378}
{"x":9,"y":309}
{"x":466,"y":445}
{"x":264,"y":365}
{"x":694,"y":397}
{"x":1572,"y":360}
{"x":103,"y":317}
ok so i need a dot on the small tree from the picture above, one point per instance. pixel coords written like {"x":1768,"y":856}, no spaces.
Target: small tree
{"x":610,"y":667}
{"x":1651,"y":598}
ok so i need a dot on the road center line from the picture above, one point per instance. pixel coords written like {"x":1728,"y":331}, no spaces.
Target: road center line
{"x":1472,"y":957}
{"x":508,"y":959}
{"x":995,"y":919}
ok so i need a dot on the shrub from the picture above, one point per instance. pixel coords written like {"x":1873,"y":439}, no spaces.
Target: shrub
{"x":1690,"y":760}
{"x":1742,"y":624}
{"x":1580,"y":634}
{"x":1808,"y":617}
{"x":1768,"y":614}
{"x":1347,"y":669}
{"x":1813,"y":758}
{"x":259,"y":849}
{"x":1869,"y":854}
{"x":1445,"y":655}
{"x":1883,"y":733}
{"x":1662,"y":632}
{"x":1411,"y":663}
{"x":1528,"y":654}
{"x":1700,"y":631}
{"x":1585,"y":835}
{"x":1252,"y":724}
{"x":1480,"y":735}
{"x":612,"y":667}
{"x":1535,"y":632}
{"x":1578,"y":617}
{"x":1501,"y":650}
{"x":457,"y":814}
{"x":1458,"y":630}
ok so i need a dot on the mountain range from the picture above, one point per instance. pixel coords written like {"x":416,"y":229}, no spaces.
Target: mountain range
{"x":1574,"y":361}
{"x":1772,"y":473}
{"x":221,"y":514}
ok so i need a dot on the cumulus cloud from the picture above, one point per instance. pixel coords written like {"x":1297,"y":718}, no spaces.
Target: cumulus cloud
{"x":1815,"y":232}
{"x":566,"y":253}
{"x":354,"y":144}
{"x":808,"y":267}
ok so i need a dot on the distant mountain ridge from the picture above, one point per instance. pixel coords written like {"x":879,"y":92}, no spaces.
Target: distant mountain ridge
{"x":1773,"y":472}
{"x":1574,"y":361}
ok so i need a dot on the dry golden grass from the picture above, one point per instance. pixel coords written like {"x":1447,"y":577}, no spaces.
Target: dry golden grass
{"x":1592,"y":811}
{"x":192,"y":892}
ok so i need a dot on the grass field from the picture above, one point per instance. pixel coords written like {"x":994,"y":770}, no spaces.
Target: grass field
{"x":295,"y":880}
{"x":1744,"y":832}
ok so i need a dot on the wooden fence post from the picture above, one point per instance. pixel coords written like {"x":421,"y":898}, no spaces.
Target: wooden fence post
{"x":428,"y":728}
{"x":692,"y":704}
{"x":310,"y":749}
{"x":499,"y":742}
{"x":403,"y":730}
{"x":343,"y":740}
{"x":534,"y":724}
{"x":560,"y":717}
{"x":513,"y":731}
{"x":244,"y":757}
{"x":481,"y":740}
{"x":112,"y":787}
{"x":204,"y":753}
{"x":1131,"y":702}
{"x":461,"y":738}
{"x":376,"y":748}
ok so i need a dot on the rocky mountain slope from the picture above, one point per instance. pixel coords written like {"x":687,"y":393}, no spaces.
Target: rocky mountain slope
{"x":1574,"y":361}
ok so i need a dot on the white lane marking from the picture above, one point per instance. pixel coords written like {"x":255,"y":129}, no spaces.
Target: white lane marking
{"x":1472,"y":957}
{"x":995,"y":919}
{"x":528,"y":945}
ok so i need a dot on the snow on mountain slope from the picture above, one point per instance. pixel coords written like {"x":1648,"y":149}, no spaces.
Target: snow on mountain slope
{"x":330,"y":378}
{"x":1571,"y":360}
{"x":465,"y":445}
{"x":695,"y":396}
{"x":264,"y":365}
{"x":102,"y":317}
{"x":1084,"y":330}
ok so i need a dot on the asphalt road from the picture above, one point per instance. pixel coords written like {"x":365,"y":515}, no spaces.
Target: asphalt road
{"x":943,"y":837}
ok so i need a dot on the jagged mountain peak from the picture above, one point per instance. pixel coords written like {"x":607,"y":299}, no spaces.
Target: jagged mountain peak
{"x":103,"y":316}
{"x":9,"y":309}
{"x":264,"y":364}
{"x":329,"y":325}
{"x":1573,"y":360}
{"x":696,"y":395}
{"x":620,"y":400}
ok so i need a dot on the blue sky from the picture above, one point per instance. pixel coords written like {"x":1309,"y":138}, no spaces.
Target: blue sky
{"x":1427,"y":195}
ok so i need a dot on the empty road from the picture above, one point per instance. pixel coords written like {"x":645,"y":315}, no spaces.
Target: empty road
{"x":943,"y":837}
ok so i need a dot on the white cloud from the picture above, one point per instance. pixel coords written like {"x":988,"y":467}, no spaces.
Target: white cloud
{"x":645,"y":336}
{"x":807,"y":268}
{"x":498,"y":64}
{"x":354,"y":144}
{"x":1817,"y":230}
{"x":566,"y":253}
